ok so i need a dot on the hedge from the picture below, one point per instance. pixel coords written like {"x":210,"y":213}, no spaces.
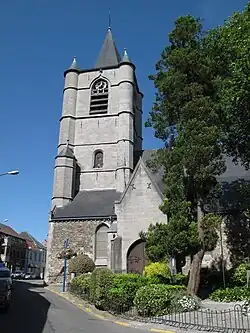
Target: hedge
{"x":155,"y":300}
{"x":235,"y":294}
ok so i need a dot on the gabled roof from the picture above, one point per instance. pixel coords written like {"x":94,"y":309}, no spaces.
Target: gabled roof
{"x":156,"y":178}
{"x":32,"y":240}
{"x":7,"y":230}
{"x":109,"y":55}
{"x":90,"y":204}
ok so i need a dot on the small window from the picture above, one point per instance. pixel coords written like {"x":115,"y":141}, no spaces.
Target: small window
{"x":98,"y":159}
{"x":99,"y":97}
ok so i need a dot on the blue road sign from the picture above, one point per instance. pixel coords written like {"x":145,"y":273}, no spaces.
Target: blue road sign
{"x":66,"y":244}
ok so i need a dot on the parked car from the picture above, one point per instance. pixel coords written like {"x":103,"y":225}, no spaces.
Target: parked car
{"x":5,"y":295}
{"x":18,"y":275}
{"x":30,"y":276}
{"x":6,"y":275}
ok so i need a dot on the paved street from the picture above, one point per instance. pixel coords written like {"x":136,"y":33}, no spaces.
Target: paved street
{"x":37,"y":310}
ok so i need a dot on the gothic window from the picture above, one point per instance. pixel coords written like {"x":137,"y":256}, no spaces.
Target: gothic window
{"x":101,"y":242}
{"x":99,"y":97}
{"x":98,"y":159}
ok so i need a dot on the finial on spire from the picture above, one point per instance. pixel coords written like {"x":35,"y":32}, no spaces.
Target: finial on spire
{"x":67,"y":143}
{"x":109,"y":27}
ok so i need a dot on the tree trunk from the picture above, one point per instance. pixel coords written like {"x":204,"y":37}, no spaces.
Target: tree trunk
{"x":195,"y":272}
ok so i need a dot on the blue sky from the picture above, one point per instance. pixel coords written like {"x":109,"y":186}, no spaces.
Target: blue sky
{"x":38,"y":41}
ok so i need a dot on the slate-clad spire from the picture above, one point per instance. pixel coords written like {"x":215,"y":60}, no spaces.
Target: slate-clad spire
{"x":125,"y":57}
{"x":109,"y":55}
{"x":74,"y":64}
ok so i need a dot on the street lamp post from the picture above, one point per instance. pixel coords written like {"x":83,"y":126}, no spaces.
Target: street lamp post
{"x":11,"y":173}
{"x":66,"y":246}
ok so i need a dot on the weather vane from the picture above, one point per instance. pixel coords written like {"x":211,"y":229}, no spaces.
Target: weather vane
{"x":109,"y":19}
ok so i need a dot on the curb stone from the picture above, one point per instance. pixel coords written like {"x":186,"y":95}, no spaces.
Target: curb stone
{"x":104,"y":316}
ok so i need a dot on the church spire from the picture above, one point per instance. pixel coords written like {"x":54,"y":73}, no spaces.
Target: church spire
{"x":125,"y":57}
{"x":74,"y":64}
{"x":109,"y":55}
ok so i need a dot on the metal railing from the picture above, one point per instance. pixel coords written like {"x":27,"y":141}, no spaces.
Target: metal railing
{"x":234,"y":320}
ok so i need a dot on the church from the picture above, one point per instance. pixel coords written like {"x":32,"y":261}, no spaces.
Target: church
{"x":104,"y":194}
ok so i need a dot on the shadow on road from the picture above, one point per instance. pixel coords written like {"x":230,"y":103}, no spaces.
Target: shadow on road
{"x":28,"y":310}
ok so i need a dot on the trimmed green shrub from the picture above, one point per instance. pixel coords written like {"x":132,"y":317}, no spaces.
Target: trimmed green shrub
{"x":81,"y":264}
{"x":125,"y":286}
{"x":119,"y":300}
{"x":230,"y":294}
{"x":157,"y":269}
{"x":155,"y":300}
{"x":80,"y":286}
{"x":122,"y":294}
{"x":157,"y":279}
{"x":239,"y":277}
{"x":100,"y":284}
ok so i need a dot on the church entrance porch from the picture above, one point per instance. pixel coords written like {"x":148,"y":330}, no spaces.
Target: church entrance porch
{"x":136,"y":257}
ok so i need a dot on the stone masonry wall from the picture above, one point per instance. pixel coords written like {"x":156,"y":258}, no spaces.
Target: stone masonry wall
{"x":81,"y":240}
{"x":137,"y":210}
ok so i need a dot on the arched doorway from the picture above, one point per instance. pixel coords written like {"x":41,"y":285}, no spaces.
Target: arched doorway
{"x":136,"y":257}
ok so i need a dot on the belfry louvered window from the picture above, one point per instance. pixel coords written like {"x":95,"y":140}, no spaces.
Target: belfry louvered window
{"x":99,"y":97}
{"x":101,"y":242}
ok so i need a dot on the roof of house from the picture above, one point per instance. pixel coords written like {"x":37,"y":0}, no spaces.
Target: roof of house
{"x":32,"y":241}
{"x":7,"y":230}
{"x":109,"y":55}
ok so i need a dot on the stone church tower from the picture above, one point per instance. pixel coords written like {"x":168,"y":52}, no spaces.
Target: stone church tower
{"x":99,"y":149}
{"x":100,"y":127}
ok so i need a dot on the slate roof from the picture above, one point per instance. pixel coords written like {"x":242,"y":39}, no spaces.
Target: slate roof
{"x":157,"y":177}
{"x":125,"y":57}
{"x":32,"y":240}
{"x":109,"y":55}
{"x":235,"y":182}
{"x":88,"y":204}
{"x":66,"y":152}
{"x":7,"y":230}
{"x":74,"y":64}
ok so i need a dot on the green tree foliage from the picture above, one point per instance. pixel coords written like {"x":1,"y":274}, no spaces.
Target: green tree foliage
{"x":229,"y":46}
{"x":186,"y":100}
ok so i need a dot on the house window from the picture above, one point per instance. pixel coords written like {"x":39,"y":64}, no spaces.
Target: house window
{"x":101,"y":242}
{"x":99,"y":97}
{"x":98,"y":159}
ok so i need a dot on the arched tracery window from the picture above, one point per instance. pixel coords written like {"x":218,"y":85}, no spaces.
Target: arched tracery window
{"x":101,"y":242}
{"x":99,"y":97}
{"x":98,"y":159}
